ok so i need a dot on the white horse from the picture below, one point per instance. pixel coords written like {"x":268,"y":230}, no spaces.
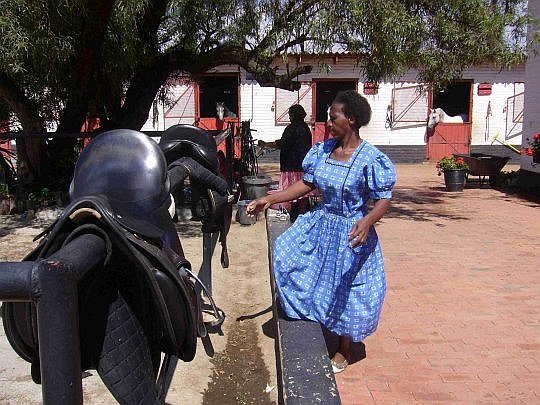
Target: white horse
{"x":223,"y":112}
{"x":438,"y":115}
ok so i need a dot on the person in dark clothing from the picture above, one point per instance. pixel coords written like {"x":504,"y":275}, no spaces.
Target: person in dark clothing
{"x":293,"y":145}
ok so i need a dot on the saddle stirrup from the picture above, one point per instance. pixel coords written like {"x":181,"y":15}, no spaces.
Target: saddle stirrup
{"x":218,"y":313}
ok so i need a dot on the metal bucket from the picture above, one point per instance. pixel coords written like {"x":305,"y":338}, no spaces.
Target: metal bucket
{"x":242,"y":216}
{"x":256,"y":186}
{"x":454,"y":179}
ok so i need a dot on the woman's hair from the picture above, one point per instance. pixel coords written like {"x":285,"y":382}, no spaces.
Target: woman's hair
{"x":356,"y":105}
{"x":297,"y":112}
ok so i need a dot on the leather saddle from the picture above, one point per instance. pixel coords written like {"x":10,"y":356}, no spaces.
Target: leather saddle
{"x":192,"y":152}
{"x":142,"y":300}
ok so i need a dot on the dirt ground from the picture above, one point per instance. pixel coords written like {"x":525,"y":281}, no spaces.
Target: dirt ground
{"x":243,"y":368}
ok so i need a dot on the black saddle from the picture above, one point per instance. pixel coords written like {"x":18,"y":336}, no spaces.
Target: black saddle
{"x":192,"y":152}
{"x":188,"y":140}
{"x":142,"y":300}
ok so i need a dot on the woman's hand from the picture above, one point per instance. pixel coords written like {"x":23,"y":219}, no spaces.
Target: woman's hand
{"x":257,"y":205}
{"x":359,"y":232}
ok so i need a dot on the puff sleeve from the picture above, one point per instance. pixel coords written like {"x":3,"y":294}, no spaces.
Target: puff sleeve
{"x":310,"y":162}
{"x":381,"y":177}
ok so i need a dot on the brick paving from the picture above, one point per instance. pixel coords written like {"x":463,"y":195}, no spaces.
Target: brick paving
{"x":461,"y":320}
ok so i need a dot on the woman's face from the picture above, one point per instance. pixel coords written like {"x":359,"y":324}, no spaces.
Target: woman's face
{"x":338,"y":124}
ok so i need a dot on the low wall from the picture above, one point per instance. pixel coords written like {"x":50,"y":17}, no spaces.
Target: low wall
{"x":304,"y":371}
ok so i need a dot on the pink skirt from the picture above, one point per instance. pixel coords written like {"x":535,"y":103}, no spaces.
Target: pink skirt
{"x":289,"y":178}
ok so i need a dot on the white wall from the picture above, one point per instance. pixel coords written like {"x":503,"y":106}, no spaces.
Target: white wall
{"x":531,"y":119}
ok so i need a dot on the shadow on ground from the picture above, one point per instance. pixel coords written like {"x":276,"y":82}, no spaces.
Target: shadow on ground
{"x":420,"y":205}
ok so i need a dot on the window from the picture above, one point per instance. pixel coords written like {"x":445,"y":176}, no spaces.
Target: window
{"x":284,"y":99}
{"x":409,"y":103}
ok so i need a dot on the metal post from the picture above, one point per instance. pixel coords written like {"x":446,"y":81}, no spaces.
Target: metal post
{"x":52,"y":284}
{"x":57,"y":317}
{"x":16,"y":281}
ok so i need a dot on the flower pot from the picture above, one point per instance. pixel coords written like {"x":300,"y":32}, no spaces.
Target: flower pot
{"x":536,"y":156}
{"x":454,"y":179}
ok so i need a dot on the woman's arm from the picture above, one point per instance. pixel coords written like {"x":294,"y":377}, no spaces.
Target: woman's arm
{"x":271,"y":145}
{"x":296,"y":190}
{"x":359,"y":231}
{"x":284,"y":142}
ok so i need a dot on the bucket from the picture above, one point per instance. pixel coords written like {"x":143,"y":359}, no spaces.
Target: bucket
{"x":454,"y":179}
{"x":256,"y":186}
{"x":282,"y":205}
{"x":242,"y":216}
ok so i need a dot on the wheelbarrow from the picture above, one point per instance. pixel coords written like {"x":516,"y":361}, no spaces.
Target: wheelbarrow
{"x":484,"y":166}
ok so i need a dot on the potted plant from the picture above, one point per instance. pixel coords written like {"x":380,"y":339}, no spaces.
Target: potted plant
{"x":455,"y":172}
{"x":47,"y":197}
{"x":534,"y":148}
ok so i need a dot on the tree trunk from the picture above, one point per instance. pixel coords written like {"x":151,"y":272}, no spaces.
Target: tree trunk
{"x":141,"y":93}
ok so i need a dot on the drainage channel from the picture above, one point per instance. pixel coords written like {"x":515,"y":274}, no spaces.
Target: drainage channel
{"x":239,"y":375}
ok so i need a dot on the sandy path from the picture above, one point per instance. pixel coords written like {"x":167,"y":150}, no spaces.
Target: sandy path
{"x":244,"y":365}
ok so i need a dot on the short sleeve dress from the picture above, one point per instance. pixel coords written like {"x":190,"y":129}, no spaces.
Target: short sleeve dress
{"x":318,"y":275}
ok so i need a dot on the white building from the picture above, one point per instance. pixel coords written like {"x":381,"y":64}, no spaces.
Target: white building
{"x":491,"y":99}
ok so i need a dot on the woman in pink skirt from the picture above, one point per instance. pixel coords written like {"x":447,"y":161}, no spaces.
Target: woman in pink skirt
{"x":294,"y":145}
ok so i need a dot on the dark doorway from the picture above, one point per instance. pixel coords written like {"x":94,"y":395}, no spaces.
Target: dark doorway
{"x":455,"y":99}
{"x":213,"y":89}
{"x":326,"y":92}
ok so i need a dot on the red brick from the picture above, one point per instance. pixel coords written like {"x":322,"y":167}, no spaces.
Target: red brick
{"x":461,"y":321}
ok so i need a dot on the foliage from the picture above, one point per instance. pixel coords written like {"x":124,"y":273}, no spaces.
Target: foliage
{"x":451,"y":163}
{"x":4,"y":190}
{"x":507,"y":180}
{"x":46,"y":194}
{"x":534,"y":146}
{"x":62,"y":62}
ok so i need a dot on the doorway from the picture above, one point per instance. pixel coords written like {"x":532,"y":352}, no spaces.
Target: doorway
{"x":214,"y":89}
{"x":325,"y":92}
{"x":447,"y":139}
{"x":220,"y":88}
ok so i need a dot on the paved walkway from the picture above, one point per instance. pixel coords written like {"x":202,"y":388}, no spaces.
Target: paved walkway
{"x":461,"y":320}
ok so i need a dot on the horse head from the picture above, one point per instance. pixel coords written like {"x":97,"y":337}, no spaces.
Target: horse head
{"x":434,"y":117}
{"x":220,"y":110}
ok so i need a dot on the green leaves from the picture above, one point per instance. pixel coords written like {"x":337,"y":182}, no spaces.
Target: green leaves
{"x":53,"y":49}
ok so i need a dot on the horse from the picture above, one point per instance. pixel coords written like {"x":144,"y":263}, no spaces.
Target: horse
{"x":223,"y":112}
{"x":438,"y":115}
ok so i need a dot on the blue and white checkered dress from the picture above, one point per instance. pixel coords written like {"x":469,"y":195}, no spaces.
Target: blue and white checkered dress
{"x":319,"y":277}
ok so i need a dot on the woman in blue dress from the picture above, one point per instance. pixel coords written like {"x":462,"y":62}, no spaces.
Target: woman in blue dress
{"x":328,"y":265}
